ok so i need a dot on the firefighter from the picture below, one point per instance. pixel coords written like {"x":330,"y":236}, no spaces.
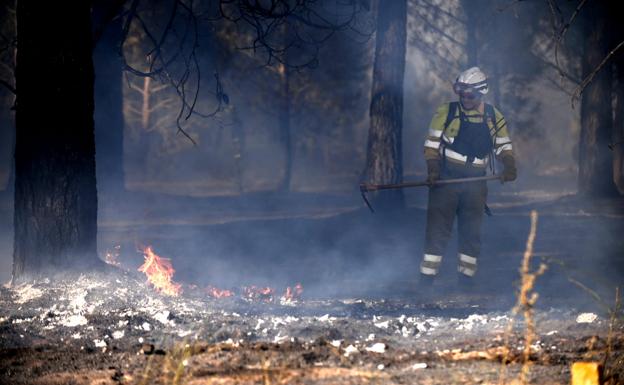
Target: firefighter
{"x":464,"y":137}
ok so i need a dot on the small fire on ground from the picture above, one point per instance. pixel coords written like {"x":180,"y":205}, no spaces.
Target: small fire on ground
{"x":215,"y":292}
{"x":159,"y":272}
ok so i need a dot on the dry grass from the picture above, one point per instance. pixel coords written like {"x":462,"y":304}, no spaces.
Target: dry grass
{"x":525,"y":303}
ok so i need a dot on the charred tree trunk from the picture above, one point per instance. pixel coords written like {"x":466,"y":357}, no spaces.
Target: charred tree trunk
{"x":472,"y":22}
{"x":109,"y":121}
{"x":7,"y":136}
{"x":284,"y":129}
{"x":284,"y":115}
{"x":595,"y":159}
{"x":7,"y":140}
{"x":238,"y":137}
{"x":7,"y":145}
{"x":617,"y":142}
{"x":617,"y":137}
{"x":7,"y":97}
{"x":55,"y":186}
{"x":384,"y":162}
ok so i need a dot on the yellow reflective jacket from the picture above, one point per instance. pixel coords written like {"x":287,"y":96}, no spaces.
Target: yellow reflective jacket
{"x":434,"y":146}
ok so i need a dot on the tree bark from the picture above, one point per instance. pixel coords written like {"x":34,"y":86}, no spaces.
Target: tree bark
{"x":284,"y":128}
{"x":7,"y":98}
{"x":384,"y":162}
{"x":7,"y":140}
{"x":55,"y":186}
{"x":617,"y":136}
{"x":617,"y":141}
{"x":109,"y":121}
{"x":284,"y":115}
{"x":595,"y":159}
{"x":472,"y":12}
{"x":7,"y":145}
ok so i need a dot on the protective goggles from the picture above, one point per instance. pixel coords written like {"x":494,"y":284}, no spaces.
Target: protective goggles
{"x":469,"y":95}
{"x":465,"y":90}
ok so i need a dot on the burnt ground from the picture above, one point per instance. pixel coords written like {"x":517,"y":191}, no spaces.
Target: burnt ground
{"x":110,"y":329}
{"x":361,"y":319}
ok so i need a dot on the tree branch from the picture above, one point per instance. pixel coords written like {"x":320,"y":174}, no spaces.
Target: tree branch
{"x":8,"y":86}
{"x":174,"y":60}
{"x":562,"y":34}
{"x":579,"y":89}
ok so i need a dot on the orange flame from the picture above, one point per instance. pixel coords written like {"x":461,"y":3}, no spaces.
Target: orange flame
{"x":258,"y":293}
{"x":293,"y":294}
{"x":215,"y":292}
{"x":159,"y":272}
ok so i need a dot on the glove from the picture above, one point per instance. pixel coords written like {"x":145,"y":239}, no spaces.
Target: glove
{"x":509,"y":171}
{"x":433,"y":170}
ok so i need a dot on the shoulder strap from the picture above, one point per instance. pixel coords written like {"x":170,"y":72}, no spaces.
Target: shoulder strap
{"x":451,"y":113}
{"x":488,"y":112}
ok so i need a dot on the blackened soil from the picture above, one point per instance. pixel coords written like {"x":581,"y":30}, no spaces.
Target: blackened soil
{"x":113,"y":329}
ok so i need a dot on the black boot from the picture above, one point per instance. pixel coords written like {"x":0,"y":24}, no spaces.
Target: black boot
{"x":425,"y":290}
{"x":426,"y":280}
{"x":465,"y":284}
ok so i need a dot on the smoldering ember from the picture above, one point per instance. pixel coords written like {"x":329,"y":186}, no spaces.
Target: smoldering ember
{"x":311,"y":192}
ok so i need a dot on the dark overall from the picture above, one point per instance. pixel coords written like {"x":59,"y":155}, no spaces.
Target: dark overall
{"x":466,"y":200}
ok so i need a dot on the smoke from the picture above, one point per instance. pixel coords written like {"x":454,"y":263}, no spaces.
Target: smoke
{"x":216,"y":211}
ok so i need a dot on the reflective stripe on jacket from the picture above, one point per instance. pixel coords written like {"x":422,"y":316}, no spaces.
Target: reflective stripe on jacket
{"x":438,"y":133}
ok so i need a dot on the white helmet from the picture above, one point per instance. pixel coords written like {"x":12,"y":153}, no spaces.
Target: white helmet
{"x":471,"y":80}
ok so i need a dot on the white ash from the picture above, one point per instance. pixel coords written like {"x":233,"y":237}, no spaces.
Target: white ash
{"x":74,"y":320}
{"x":324,"y":318}
{"x":350,"y":350}
{"x":126,"y":310}
{"x":382,"y":325}
{"x":163,"y":317}
{"x":586,"y":318}
{"x":378,"y":347}
{"x":26,"y":293}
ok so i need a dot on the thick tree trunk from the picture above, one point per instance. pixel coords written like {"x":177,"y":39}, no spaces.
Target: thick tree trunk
{"x":55,"y":187}
{"x":284,"y":129}
{"x":7,"y":140}
{"x":384,"y":162}
{"x":284,"y":115}
{"x":472,"y":12}
{"x":238,"y":144}
{"x":7,"y":98}
{"x":109,"y":121}
{"x":617,"y":141}
{"x":617,"y":136}
{"x":595,"y":159}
